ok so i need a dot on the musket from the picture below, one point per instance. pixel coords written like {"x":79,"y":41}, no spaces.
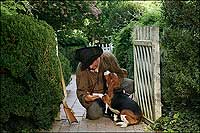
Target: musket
{"x":68,"y":111}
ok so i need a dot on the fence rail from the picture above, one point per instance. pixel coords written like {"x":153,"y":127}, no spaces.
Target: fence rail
{"x":147,"y":71}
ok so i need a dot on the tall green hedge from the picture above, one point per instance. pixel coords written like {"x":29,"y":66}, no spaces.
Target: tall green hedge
{"x":180,"y":43}
{"x":180,"y":67}
{"x":30,"y":82}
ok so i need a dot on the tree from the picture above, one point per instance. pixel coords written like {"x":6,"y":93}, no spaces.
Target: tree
{"x":114,"y":16}
{"x":67,"y":15}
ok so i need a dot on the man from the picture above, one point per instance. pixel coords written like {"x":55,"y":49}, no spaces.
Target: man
{"x":90,"y":79}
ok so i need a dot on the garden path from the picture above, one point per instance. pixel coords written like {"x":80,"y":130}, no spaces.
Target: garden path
{"x":85,"y":125}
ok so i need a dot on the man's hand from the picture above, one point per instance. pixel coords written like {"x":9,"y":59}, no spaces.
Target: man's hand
{"x":91,"y":98}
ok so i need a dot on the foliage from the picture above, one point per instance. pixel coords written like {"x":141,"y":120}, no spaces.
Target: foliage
{"x":180,"y":67}
{"x":151,"y":15}
{"x":186,"y":120}
{"x":30,"y":77}
{"x":114,"y":16}
{"x":181,"y":57}
{"x":180,"y":76}
{"x":68,"y":44}
{"x":120,"y":14}
{"x":181,"y":14}
{"x":69,"y":19}
{"x":65,"y":67}
{"x":124,"y":48}
{"x":72,"y":39}
{"x":11,"y":8}
{"x":123,"y":40}
{"x":60,"y":15}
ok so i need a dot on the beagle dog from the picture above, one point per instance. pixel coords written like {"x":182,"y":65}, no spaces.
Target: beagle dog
{"x":119,"y":103}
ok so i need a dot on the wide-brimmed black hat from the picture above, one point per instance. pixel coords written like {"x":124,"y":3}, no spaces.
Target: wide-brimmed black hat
{"x":87,"y":55}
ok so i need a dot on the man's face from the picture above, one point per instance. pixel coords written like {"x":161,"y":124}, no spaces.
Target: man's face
{"x":95,"y":65}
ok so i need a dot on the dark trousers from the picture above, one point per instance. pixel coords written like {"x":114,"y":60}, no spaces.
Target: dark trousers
{"x":96,"y":110}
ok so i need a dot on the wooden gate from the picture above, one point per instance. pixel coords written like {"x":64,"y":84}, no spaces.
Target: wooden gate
{"x":147,"y":71}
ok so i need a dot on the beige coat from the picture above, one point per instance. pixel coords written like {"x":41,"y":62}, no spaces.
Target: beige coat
{"x":92,"y":82}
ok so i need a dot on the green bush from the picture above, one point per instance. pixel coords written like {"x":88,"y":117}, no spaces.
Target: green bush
{"x":180,"y":61}
{"x":184,"y":120}
{"x":68,"y":45}
{"x":123,"y":48}
{"x":10,"y":7}
{"x":180,"y":67}
{"x":180,"y":76}
{"x":66,"y":68}
{"x":30,"y":76}
{"x":151,"y":15}
{"x":70,"y":53}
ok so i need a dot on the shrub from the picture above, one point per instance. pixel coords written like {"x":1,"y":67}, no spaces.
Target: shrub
{"x":70,"y":53}
{"x":30,"y":77}
{"x":180,"y":64}
{"x":66,"y":68}
{"x":180,"y":67}
{"x":183,"y":120}
{"x":10,"y":7}
{"x":151,"y":15}
{"x":124,"y":48}
{"x":69,"y":44}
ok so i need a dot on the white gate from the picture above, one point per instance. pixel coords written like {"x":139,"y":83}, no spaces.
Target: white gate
{"x":147,"y":71}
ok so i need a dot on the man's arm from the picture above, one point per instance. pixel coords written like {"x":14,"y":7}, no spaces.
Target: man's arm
{"x":83,"y":89}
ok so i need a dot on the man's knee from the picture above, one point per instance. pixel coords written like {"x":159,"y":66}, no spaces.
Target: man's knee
{"x":95,"y":111}
{"x":128,"y":85}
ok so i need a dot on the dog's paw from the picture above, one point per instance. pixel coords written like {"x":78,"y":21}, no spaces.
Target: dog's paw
{"x":122,"y":124}
{"x":115,"y":117}
{"x":119,"y":123}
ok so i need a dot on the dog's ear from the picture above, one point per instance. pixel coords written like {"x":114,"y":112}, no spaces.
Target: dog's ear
{"x":110,"y":75}
{"x":115,"y":81}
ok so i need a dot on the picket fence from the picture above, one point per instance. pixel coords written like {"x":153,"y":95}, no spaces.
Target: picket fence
{"x":105,"y":47}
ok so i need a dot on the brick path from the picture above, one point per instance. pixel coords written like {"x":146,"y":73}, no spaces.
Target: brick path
{"x":100,"y":125}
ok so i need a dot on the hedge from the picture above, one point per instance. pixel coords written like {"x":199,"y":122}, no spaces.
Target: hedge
{"x":30,"y":82}
{"x":66,"y":67}
{"x":180,"y":67}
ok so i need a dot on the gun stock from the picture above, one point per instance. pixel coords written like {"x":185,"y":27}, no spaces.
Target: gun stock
{"x":68,"y":112}
{"x":70,"y":115}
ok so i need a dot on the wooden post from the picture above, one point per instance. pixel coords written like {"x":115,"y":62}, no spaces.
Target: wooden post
{"x":156,"y":72}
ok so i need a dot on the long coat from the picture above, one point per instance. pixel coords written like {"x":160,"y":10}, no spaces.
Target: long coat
{"x":92,"y":82}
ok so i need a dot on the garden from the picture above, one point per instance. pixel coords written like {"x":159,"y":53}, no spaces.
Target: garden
{"x":31,"y":32}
